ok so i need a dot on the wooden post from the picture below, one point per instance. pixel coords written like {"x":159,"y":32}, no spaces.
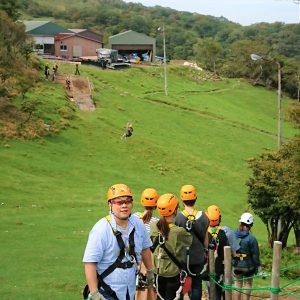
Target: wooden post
{"x":212,"y":293}
{"x":277,"y":249}
{"x":227,"y":271}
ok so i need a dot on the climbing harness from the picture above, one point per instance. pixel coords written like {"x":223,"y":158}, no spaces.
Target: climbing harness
{"x":189,"y":228}
{"x":215,"y":242}
{"x":124,"y":253}
{"x":160,"y":240}
{"x":190,"y":219}
{"x":241,"y":256}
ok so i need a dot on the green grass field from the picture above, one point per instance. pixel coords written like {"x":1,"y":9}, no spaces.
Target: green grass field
{"x":53,"y":189}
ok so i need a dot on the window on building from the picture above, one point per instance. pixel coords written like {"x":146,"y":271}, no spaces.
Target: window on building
{"x":63,"y":48}
{"x":38,"y":48}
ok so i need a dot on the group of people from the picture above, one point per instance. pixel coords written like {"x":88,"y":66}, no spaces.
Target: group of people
{"x":139,"y":256}
{"x":54,"y":71}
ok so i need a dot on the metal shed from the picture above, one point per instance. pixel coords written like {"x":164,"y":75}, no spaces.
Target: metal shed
{"x":130,"y":41}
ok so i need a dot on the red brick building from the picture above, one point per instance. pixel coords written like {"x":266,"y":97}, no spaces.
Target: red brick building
{"x":80,"y":42}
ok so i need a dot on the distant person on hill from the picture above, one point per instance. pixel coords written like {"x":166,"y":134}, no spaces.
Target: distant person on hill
{"x":247,"y":262}
{"x":68,"y":83}
{"x":54,"y":70}
{"x":196,"y":223}
{"x":129,"y":131}
{"x":77,"y":69}
{"x":47,"y":71}
{"x":116,"y":246}
{"x":217,"y":241}
{"x":148,"y":199}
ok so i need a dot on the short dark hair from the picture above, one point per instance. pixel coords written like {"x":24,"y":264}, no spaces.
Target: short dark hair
{"x":189,"y":202}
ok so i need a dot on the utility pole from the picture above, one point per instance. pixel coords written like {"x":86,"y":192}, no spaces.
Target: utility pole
{"x":165,"y":61}
{"x":279,"y":104}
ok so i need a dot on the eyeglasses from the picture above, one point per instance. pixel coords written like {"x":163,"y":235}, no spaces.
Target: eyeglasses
{"x":121,"y":202}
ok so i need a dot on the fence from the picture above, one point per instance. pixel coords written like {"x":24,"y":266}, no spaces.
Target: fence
{"x":274,"y":289}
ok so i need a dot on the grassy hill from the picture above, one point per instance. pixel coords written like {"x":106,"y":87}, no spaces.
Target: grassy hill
{"x":53,"y":189}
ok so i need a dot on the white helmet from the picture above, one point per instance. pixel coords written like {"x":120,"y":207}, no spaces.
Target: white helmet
{"x":247,"y":218}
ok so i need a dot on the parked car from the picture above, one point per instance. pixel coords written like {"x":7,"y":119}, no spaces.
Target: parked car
{"x":160,"y":59}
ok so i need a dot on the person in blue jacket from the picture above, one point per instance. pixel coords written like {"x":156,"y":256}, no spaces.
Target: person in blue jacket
{"x":246,"y":261}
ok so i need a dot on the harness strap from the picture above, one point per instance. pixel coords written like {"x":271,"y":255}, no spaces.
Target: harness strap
{"x":172,"y":257}
{"x":241,"y":256}
{"x":157,"y":239}
{"x":190,"y":228}
{"x":106,"y":287}
{"x":131,"y":245}
{"x":190,"y":216}
{"x":118,"y":262}
{"x":214,"y":233}
{"x":190,"y":221}
{"x":182,"y":275}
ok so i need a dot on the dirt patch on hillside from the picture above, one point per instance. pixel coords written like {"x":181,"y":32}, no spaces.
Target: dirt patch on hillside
{"x":79,"y":90}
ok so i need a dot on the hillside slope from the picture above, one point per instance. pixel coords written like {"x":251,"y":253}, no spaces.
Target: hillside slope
{"x":52,"y":190}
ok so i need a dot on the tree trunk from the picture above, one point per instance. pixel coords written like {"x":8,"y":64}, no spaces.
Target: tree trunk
{"x":275,"y":235}
{"x":283,"y":235}
{"x":297,"y":236}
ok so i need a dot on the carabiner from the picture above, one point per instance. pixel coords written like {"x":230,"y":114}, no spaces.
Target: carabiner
{"x":183,"y":276}
{"x":132,"y":259}
{"x":161,"y":239}
{"x":189,"y":225}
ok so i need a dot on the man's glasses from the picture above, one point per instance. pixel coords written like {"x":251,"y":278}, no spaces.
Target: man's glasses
{"x":121,"y":202}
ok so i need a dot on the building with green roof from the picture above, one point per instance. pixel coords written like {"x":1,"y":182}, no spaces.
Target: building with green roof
{"x":43,"y":33}
{"x":130,"y":41}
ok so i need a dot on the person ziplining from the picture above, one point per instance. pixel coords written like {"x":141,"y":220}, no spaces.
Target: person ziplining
{"x":129,"y":131}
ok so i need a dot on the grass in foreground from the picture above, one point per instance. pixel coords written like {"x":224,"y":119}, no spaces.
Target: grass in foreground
{"x":53,"y":189}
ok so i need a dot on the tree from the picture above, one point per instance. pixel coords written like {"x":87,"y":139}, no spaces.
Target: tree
{"x":11,"y":8}
{"x":239,"y":63}
{"x":294,"y":114}
{"x":273,"y":190}
{"x":17,"y":72}
{"x":208,"y":51}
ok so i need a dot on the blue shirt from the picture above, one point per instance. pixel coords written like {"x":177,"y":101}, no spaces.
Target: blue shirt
{"x":102,"y":248}
{"x":231,"y":239}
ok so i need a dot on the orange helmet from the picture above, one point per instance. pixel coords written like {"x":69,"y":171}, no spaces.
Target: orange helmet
{"x":166,"y":204}
{"x":188,"y":192}
{"x":118,"y":190}
{"x":213,"y":213}
{"x":149,"y":197}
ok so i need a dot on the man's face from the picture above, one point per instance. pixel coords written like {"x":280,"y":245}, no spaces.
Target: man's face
{"x":121,"y":207}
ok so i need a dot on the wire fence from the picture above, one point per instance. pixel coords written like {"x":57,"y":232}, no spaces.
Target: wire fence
{"x":280,"y":290}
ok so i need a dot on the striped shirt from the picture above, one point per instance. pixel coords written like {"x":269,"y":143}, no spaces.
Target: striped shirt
{"x":147,"y":225}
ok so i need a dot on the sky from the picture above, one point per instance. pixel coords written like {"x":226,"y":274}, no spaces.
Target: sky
{"x":245,"y":12}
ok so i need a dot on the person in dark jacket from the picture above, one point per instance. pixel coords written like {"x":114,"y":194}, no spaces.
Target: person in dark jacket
{"x":129,"y":131}
{"x":47,"y":71}
{"x":196,"y":223}
{"x":246,"y":262}
{"x":217,"y":240}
